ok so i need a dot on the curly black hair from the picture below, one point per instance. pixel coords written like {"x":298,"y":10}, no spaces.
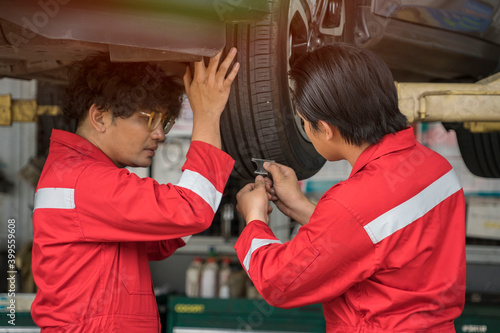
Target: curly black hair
{"x":121,"y":88}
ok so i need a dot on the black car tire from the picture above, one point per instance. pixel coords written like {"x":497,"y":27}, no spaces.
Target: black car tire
{"x":480,"y":151}
{"x":259,"y":120}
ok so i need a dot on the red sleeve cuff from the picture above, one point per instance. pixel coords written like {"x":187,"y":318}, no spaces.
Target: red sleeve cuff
{"x":216,"y":165}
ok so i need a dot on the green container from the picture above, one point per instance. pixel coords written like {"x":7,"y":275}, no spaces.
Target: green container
{"x":479,"y":318}
{"x":22,"y":319}
{"x":240,"y":315}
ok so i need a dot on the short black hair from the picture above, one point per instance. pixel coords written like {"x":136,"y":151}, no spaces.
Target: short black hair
{"x":350,"y":88}
{"x":121,"y":88}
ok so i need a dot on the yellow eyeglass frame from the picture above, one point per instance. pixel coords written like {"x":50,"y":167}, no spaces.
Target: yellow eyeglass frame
{"x":155,"y":118}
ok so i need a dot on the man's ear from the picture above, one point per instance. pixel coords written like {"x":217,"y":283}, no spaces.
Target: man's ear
{"x":97,"y":118}
{"x":328,"y":130}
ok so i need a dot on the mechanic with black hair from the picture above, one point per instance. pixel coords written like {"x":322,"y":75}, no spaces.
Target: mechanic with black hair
{"x":384,"y":250}
{"x":96,"y":225}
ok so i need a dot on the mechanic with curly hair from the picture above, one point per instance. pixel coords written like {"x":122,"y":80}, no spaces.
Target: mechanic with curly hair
{"x":384,"y":250}
{"x":96,"y":225}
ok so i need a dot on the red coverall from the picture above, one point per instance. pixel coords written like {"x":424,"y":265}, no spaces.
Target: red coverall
{"x":97,"y":225}
{"x":384,"y":250}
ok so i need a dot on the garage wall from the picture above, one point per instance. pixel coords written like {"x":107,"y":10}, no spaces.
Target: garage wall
{"x":17,"y":146}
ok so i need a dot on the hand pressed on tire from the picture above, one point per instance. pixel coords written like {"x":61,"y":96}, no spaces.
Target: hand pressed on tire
{"x":208,"y":90}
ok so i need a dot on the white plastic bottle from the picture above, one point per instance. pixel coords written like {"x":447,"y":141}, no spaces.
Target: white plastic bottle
{"x":208,"y":282}
{"x":193,"y":274}
{"x":224,"y":272}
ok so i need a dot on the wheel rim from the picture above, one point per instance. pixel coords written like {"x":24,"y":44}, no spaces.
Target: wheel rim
{"x":297,"y":46}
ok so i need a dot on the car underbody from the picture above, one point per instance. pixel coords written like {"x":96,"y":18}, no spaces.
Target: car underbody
{"x":443,"y":55}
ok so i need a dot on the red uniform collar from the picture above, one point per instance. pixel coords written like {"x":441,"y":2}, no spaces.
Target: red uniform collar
{"x":79,"y":144}
{"x":389,"y":143}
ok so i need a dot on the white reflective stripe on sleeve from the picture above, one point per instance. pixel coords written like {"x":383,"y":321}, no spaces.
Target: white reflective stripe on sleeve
{"x":55,"y":197}
{"x":256,"y":243}
{"x":414,"y":208}
{"x":203,"y":187}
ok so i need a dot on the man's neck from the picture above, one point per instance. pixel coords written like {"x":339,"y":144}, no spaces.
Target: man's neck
{"x":351,"y":152}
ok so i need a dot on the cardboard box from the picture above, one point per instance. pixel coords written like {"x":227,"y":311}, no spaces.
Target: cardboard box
{"x":483,"y":217}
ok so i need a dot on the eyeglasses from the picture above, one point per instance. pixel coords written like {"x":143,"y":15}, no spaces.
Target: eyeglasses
{"x":155,"y":118}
